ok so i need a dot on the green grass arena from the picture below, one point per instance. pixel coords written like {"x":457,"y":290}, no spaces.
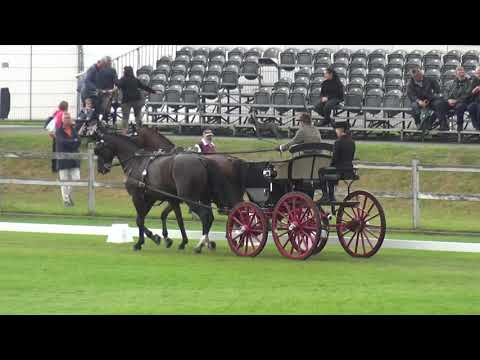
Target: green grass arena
{"x":78,"y":274}
{"x":45,"y":274}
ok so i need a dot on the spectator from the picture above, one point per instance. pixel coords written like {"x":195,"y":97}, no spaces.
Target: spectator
{"x":457,"y":96}
{"x":106,"y":85}
{"x":306,"y":134}
{"x":62,"y":108}
{"x":331,"y":94}
{"x":85,"y":115}
{"x":69,"y":169}
{"x":423,"y":93}
{"x":50,"y":126}
{"x":473,"y":107}
{"x":131,"y":96}
{"x":90,"y":83}
{"x":206,"y":145}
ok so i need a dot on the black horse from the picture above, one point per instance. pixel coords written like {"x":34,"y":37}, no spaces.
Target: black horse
{"x":186,"y":176}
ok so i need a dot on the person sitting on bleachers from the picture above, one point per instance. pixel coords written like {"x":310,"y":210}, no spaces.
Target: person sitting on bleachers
{"x":307,"y":133}
{"x":423,"y":92}
{"x":331,"y":94}
{"x":342,"y":160}
{"x":474,"y":106}
{"x":457,"y":95}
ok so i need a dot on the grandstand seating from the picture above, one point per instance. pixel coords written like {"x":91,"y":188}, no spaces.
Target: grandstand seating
{"x":373,"y":79}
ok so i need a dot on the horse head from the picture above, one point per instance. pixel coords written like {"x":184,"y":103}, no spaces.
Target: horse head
{"x":103,"y":149}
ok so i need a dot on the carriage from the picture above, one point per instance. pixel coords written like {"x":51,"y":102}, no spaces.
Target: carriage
{"x":281,"y":200}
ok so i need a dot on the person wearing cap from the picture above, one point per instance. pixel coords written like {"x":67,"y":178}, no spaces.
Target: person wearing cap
{"x":206,"y":146}
{"x":342,"y":159}
{"x":307,"y":133}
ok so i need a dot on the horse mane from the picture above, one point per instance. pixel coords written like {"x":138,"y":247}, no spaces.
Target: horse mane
{"x":159,"y":140}
{"x":125,"y":138}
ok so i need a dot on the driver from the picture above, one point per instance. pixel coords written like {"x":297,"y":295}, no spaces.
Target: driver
{"x":342,"y":159}
{"x":307,"y":133}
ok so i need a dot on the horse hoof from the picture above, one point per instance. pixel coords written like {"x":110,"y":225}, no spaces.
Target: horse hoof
{"x":181,"y":247}
{"x":168,"y":242}
{"x":156,"y":239}
{"x":212,"y":245}
{"x":197,"y":250}
{"x":137,"y":248}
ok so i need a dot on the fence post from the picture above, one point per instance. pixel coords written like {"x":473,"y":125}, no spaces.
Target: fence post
{"x":91,"y":180}
{"x":415,"y":191}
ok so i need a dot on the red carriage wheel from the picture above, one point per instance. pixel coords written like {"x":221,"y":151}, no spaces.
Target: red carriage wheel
{"x":361,"y":229}
{"x":247,"y":229}
{"x":296,"y":226}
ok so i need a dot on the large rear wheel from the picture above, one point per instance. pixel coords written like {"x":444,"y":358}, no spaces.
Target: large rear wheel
{"x":361,"y":229}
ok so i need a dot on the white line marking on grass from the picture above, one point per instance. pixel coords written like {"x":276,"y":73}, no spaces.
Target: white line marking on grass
{"x":220,"y":236}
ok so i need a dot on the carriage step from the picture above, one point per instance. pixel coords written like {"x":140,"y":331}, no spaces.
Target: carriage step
{"x":339,"y":203}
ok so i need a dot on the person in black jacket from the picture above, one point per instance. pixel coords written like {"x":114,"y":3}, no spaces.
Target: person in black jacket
{"x":423,"y":93}
{"x":342,"y":160}
{"x":474,"y":106}
{"x":131,"y":96}
{"x":67,"y":141}
{"x":331,"y":95}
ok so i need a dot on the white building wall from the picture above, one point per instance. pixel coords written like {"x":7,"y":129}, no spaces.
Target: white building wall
{"x":52,"y":78}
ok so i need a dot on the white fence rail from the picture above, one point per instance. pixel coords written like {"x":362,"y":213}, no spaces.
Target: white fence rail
{"x":415,"y":168}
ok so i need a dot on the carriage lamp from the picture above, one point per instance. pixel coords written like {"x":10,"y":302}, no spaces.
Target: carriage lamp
{"x":269,"y":173}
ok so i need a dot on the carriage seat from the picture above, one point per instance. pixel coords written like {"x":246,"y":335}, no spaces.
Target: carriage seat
{"x":333,"y":174}
{"x":311,"y":148}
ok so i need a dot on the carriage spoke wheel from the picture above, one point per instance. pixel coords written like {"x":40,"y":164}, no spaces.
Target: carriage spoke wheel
{"x":296,"y":226}
{"x":361,"y":229}
{"x":247,"y":229}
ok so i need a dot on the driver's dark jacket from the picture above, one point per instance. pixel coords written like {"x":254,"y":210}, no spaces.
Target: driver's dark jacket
{"x":67,"y":144}
{"x":343,"y":153}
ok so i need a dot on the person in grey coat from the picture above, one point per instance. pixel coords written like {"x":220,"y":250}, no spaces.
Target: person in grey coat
{"x":306,"y":134}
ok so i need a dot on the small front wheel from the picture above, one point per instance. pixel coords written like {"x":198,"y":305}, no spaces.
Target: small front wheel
{"x":247,"y":229}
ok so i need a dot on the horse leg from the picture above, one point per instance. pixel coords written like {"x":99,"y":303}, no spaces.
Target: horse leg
{"x":142,"y":210}
{"x":165,"y":212}
{"x":205,"y":219}
{"x":181,"y":225}
{"x":211,"y":244}
{"x":154,"y":237}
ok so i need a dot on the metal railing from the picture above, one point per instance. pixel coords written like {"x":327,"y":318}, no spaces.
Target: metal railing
{"x":415,"y":168}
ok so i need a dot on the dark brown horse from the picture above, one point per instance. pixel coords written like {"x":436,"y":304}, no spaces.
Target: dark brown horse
{"x":234,"y":169}
{"x":186,"y":176}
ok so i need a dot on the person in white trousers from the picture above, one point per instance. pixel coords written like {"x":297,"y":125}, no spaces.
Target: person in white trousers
{"x":67,"y":141}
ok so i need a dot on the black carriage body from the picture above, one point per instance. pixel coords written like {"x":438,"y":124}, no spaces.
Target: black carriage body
{"x":268,"y":181}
